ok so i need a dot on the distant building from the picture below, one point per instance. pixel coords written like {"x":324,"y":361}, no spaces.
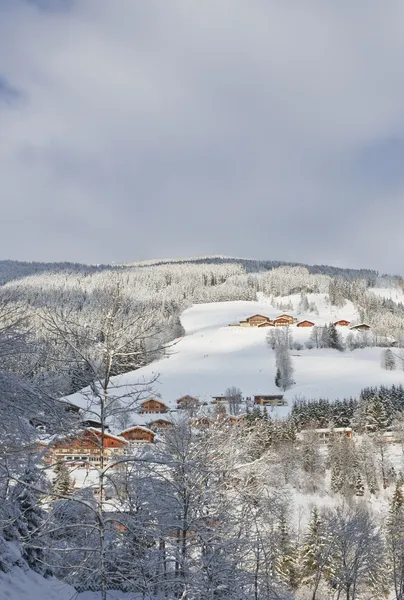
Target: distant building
{"x":153,"y":406}
{"x":281,"y":322}
{"x":159,"y":424}
{"x":326,"y":434}
{"x":256,"y":320}
{"x":342,"y":323}
{"x":85,"y":447}
{"x":137,"y":433}
{"x":270,"y":399}
{"x":285,"y":317}
{"x":305,"y":324}
{"x":360,"y":327}
{"x":267,"y":324}
{"x":218,"y":399}
{"x":187,"y":402}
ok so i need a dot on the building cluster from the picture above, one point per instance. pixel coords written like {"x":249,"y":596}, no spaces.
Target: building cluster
{"x":84,"y":447}
{"x":285,"y":320}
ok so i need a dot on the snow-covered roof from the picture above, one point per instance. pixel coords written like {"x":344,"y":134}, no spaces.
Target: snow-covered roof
{"x":137,"y":427}
{"x":106,"y":434}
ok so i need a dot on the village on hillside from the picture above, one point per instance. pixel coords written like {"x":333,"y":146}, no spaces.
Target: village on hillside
{"x":286,"y":320}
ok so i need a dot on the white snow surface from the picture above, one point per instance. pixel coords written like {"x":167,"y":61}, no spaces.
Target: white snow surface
{"x":213,"y":356}
{"x":27,"y":585}
{"x":19,"y":584}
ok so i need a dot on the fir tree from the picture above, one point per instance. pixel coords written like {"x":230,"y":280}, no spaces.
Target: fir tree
{"x":62,"y":483}
{"x":334,"y":340}
{"x":286,"y":564}
{"x":315,"y":558}
{"x":278,"y":378}
{"x":28,"y":519}
{"x":375,"y":416}
{"x":388,"y":360}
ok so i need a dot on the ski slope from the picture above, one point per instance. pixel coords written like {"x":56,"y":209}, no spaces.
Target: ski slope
{"x":213,"y":356}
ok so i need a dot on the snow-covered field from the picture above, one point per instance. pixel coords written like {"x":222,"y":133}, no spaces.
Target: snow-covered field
{"x":213,"y":356}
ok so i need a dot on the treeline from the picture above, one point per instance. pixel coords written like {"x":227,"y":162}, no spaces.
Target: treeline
{"x":375,"y":409}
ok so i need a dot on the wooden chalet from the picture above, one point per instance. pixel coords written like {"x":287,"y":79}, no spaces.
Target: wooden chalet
{"x":256,"y":320}
{"x":187,"y":402}
{"x":342,"y":323}
{"x":270,"y":399}
{"x":286,"y":317}
{"x":139,"y":434}
{"x":152,"y":406}
{"x":85,"y":446}
{"x":158,"y":424}
{"x":219,"y":399}
{"x":279,"y":322}
{"x":202,"y":422}
{"x":360,"y":327}
{"x":326,"y":434}
{"x":267,"y":324}
{"x":305,"y":323}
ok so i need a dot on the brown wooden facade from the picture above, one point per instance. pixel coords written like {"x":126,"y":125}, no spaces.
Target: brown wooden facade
{"x":137,"y":433}
{"x":271,"y":399}
{"x":153,"y":406}
{"x":267,"y":324}
{"x":160,"y":424}
{"x":291,"y":320}
{"x":256,"y":320}
{"x":342,"y":323}
{"x":187,"y":402}
{"x":282,"y":322}
{"x":305,"y":324}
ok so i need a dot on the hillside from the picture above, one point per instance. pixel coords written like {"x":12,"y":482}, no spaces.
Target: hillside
{"x":213,"y":356}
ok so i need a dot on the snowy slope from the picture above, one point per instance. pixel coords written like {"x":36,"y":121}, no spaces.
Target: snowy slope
{"x":27,"y":585}
{"x":213,"y":356}
{"x":395,"y":294}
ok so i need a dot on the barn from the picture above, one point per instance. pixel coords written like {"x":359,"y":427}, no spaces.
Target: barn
{"x":153,"y":406}
{"x":305,"y":324}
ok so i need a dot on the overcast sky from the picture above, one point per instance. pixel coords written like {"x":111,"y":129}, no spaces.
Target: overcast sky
{"x":134,"y":129}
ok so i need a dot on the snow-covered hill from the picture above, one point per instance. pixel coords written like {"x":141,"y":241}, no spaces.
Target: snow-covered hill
{"x":213,"y":356}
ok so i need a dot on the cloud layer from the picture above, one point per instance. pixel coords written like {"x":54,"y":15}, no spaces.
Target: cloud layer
{"x":268,"y":128}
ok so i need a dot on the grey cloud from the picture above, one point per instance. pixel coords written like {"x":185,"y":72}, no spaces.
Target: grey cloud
{"x":268,"y":129}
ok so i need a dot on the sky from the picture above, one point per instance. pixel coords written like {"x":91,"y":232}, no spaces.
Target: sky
{"x":269,"y":129}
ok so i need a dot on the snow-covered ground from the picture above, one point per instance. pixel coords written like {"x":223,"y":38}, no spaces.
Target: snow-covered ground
{"x":27,"y":585}
{"x":19,"y":584}
{"x":395,"y":294}
{"x":213,"y":356}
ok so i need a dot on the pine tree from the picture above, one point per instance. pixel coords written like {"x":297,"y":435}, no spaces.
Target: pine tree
{"x":395,"y":540}
{"x":337,"y":481}
{"x":375,"y":416}
{"x":28,"y":519}
{"x":334,"y":340}
{"x":315,"y":556}
{"x":388,"y":360}
{"x":278,"y":378}
{"x":286,"y":564}
{"x":62,"y":483}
